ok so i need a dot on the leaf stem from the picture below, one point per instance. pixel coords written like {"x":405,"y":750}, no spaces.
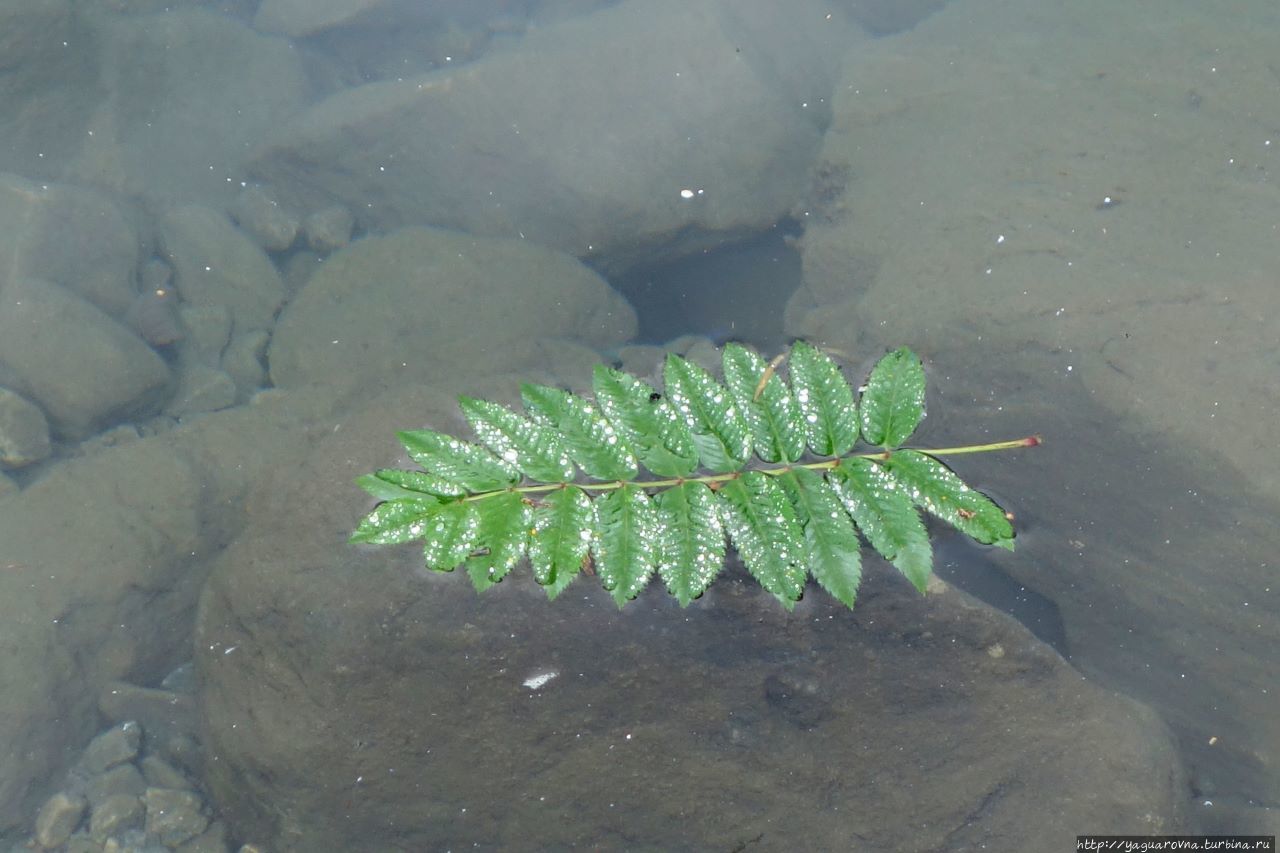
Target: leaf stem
{"x":1029,"y":441}
{"x":709,"y":479}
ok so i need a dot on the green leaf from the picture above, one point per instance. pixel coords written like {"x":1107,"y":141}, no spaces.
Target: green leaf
{"x":396,"y":521}
{"x":832,"y":543}
{"x":530,"y":447}
{"x":470,"y":466}
{"x":882,"y":509}
{"x":825,"y":401}
{"x":690,"y":541}
{"x":720,"y":432}
{"x":646,"y":507}
{"x":384,"y":491}
{"x":777,"y":427}
{"x":764,"y":529}
{"x":562,"y":529}
{"x":893,"y":402}
{"x":592,"y":441}
{"x":505,"y":520}
{"x":945,"y":495}
{"x":649,"y":424}
{"x":625,"y":545}
{"x":417,"y":484}
{"x":452,"y":531}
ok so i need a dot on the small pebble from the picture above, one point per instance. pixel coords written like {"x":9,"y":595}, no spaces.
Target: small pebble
{"x":58,"y":818}
{"x":116,"y":745}
{"x":173,"y":816}
{"x":329,"y":229}
{"x":24,"y":431}
{"x":264,"y":219}
{"x":116,"y":813}
{"x":154,"y":317}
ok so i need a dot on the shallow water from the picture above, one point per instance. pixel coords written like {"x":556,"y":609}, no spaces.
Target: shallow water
{"x":1145,"y":558}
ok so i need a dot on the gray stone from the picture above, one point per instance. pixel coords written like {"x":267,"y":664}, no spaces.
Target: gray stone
{"x":162,"y":713}
{"x":264,"y":219}
{"x":47,"y":96}
{"x":183,"y":751}
{"x":201,"y":389}
{"x":428,"y":305}
{"x":245,"y":362}
{"x":121,"y":780}
{"x":116,"y":745}
{"x":208,"y":332}
{"x":73,"y":236}
{"x":184,"y":95}
{"x":216,"y":264}
{"x":155,"y":275}
{"x":113,"y":437}
{"x":329,"y":229}
{"x":82,"y":367}
{"x":58,"y":818}
{"x":24,"y":432}
{"x":114,"y":814}
{"x":161,"y":774}
{"x":306,"y":17}
{"x":173,"y":816}
{"x":367,"y":40}
{"x":82,"y":842}
{"x":620,"y":168}
{"x":181,"y":679}
{"x":154,"y":317}
{"x":212,"y":840}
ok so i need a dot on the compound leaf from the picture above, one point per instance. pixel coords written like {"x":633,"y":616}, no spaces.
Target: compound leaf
{"x":787,"y":518}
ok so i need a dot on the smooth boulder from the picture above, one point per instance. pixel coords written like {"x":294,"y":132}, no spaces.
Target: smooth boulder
{"x":644,"y":127}
{"x":429,"y":305}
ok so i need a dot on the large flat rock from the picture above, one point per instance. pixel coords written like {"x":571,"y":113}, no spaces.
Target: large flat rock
{"x":1107,"y":195}
{"x":347,"y":697}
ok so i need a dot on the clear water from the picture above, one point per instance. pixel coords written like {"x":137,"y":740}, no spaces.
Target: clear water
{"x":1106,"y":280}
